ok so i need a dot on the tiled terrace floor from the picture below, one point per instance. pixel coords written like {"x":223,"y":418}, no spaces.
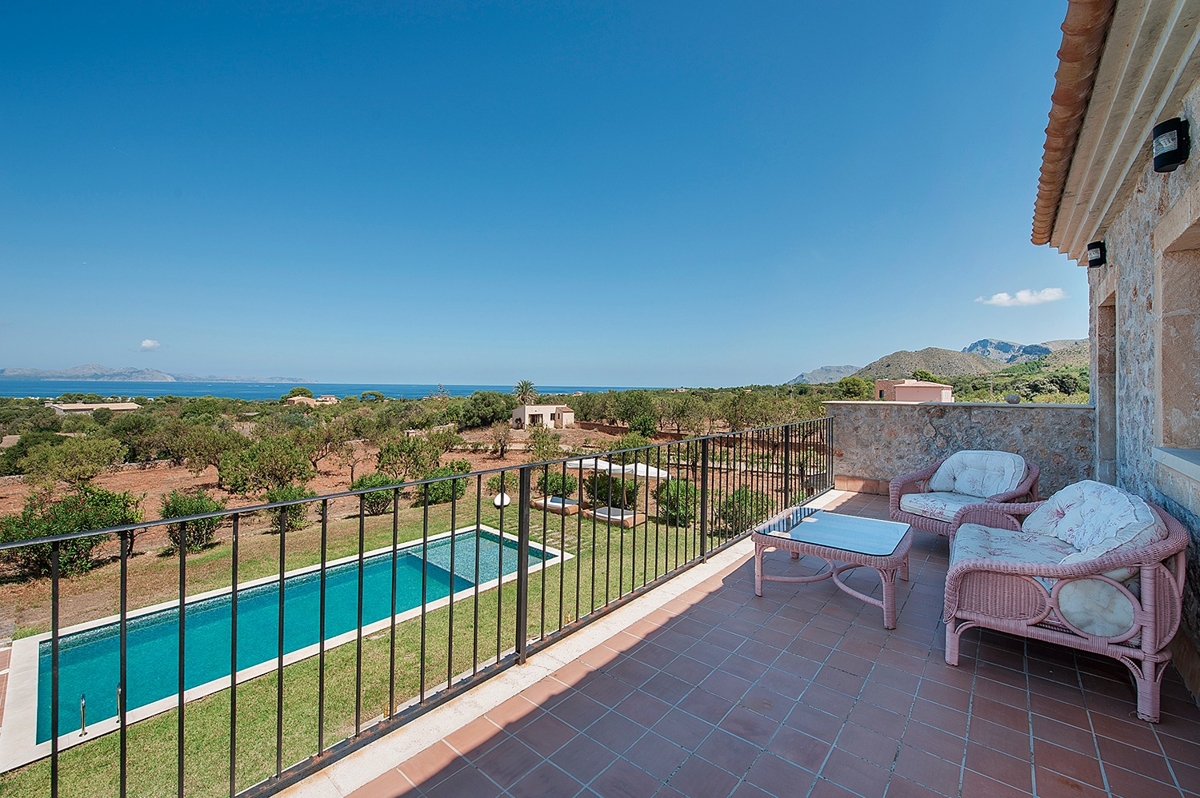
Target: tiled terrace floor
{"x":803,"y":693}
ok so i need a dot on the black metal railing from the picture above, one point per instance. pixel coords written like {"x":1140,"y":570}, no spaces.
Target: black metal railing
{"x":527,"y":554}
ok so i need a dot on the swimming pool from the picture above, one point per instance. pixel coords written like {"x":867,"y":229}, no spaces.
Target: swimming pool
{"x":89,"y":659}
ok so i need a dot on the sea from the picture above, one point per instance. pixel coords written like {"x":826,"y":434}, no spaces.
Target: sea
{"x":51,"y":389}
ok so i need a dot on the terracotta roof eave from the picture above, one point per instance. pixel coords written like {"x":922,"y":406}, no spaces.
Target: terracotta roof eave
{"x":1084,"y":30}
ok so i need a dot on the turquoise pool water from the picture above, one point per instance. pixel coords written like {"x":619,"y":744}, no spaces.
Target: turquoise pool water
{"x":89,"y":661}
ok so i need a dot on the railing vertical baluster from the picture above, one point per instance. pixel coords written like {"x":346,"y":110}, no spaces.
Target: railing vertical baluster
{"x":562,"y":549}
{"x":500,"y":572}
{"x":182,"y":662}
{"x":522,"y":565}
{"x":392,"y":610}
{"x":608,"y":538}
{"x":283,"y":526}
{"x":579,"y":543}
{"x":621,"y":526}
{"x":358,"y":635}
{"x":453,"y":576}
{"x":122,"y":678}
{"x":233,"y":661}
{"x":787,"y":466}
{"x":55,"y":549}
{"x":475,"y":601}
{"x":595,"y":556}
{"x":704,"y":499}
{"x":321,"y":629}
{"x":545,"y":526}
{"x":424,"y":582}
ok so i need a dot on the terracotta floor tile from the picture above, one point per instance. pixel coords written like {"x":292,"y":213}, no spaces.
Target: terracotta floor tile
{"x":705,"y":705}
{"x":466,"y":783}
{"x":1014,"y":742}
{"x":578,"y":711}
{"x":508,"y":762}
{"x":854,"y":774}
{"x":1000,"y":767}
{"x":978,"y":784}
{"x":1065,"y":735}
{"x":390,"y":785}
{"x":778,"y":777}
{"x":800,"y":749}
{"x":930,"y":771}
{"x":1055,"y":785}
{"x":1077,"y":766}
{"x":900,"y":787}
{"x":615,"y":731}
{"x":546,"y":734}
{"x":684,"y":729}
{"x":545,"y":780}
{"x":697,"y":778}
{"x":437,"y":762}
{"x":944,"y":745}
{"x":868,"y":744}
{"x":657,"y":755}
{"x":624,"y":780}
{"x":750,"y":726}
{"x":583,"y":758}
{"x":1128,"y":784}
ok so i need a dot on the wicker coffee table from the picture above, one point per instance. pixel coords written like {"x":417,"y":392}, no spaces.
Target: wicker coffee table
{"x":844,"y":542}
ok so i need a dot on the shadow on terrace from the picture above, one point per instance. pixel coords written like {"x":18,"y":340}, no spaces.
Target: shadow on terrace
{"x":802,"y":692}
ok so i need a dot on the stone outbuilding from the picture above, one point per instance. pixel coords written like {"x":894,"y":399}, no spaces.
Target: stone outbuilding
{"x":80,"y":408}
{"x":556,"y":416}
{"x":913,"y":391}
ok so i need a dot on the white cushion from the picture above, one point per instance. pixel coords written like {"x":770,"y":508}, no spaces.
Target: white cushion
{"x":938,"y":505}
{"x":975,"y":541}
{"x":1096,"y":607}
{"x":1096,"y":519}
{"x":979,"y":473}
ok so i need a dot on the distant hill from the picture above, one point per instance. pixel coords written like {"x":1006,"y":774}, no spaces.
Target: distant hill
{"x":89,"y":372}
{"x":94,"y":373}
{"x":1075,"y":356}
{"x":823,"y":375}
{"x":941,"y":362}
{"x":1010,"y":353}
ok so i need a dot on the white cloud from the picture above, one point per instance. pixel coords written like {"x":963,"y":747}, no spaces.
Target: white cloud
{"x":149,"y":345}
{"x":1024,"y":298}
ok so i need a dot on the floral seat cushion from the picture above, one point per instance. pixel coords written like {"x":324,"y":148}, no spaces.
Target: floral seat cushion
{"x":978,"y":473}
{"x":975,"y":541}
{"x":939,"y":504}
{"x":1096,"y":519}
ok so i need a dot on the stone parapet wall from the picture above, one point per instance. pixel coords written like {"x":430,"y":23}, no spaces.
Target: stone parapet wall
{"x":876,"y":441}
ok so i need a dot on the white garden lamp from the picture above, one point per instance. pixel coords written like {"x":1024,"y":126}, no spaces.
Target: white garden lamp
{"x":502,"y":500}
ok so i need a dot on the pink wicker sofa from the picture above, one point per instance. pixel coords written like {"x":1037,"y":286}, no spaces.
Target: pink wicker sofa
{"x":934,"y":498}
{"x":1093,"y":568}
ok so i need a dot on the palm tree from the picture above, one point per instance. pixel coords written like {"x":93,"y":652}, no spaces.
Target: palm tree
{"x":526,"y":393}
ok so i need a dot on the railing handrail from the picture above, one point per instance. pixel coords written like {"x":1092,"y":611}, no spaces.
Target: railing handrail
{"x":404,"y":485}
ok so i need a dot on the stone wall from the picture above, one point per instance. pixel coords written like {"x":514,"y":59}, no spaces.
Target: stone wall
{"x":876,"y":441}
{"x":1151,"y":280}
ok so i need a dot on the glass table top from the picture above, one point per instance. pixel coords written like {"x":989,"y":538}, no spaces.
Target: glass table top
{"x":849,"y":533}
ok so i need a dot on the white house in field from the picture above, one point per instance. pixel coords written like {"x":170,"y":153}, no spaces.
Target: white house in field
{"x":557,"y":416}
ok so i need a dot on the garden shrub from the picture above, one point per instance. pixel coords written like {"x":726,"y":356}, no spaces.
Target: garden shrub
{"x":294,"y":515}
{"x":632,"y":440}
{"x":379,"y":502}
{"x":677,"y":500}
{"x":556,"y":483}
{"x":742,"y":509}
{"x":199,"y":534}
{"x":85,"y":508}
{"x":644,"y":425}
{"x":446,"y":490}
{"x":606,"y":490}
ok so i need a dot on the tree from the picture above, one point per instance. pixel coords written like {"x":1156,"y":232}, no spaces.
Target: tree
{"x":677,"y":501}
{"x":267,"y":464}
{"x":402,"y":457}
{"x":645,"y":425}
{"x":542,"y":445}
{"x":10,"y":458}
{"x":141,"y":434}
{"x":102,"y":415}
{"x":292,"y":516}
{"x":742,"y":509}
{"x":381,"y":500}
{"x":854,"y":388}
{"x":352,"y":454}
{"x":745,"y":409}
{"x":632,"y":440}
{"x":446,"y":490}
{"x":684,"y":411}
{"x":322,"y":439}
{"x":198,"y":446}
{"x":84,"y":509}
{"x":77,"y":461}
{"x":924,"y":376}
{"x":297,"y":391}
{"x":556,"y":483}
{"x":606,"y":490}
{"x":500,"y":435}
{"x":484,"y":408}
{"x":525,"y":392}
{"x":371,"y":396}
{"x":193,"y":535}
{"x":631,"y":405}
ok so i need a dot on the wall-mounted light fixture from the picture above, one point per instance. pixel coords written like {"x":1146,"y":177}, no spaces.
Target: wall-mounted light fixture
{"x":1097,"y":254}
{"x":1171,"y":144}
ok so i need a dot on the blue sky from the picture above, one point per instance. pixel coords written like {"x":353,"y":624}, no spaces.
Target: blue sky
{"x":642,"y":193}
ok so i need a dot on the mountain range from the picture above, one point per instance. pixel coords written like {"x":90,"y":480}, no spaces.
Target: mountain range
{"x":981,"y":357}
{"x":95,"y":373}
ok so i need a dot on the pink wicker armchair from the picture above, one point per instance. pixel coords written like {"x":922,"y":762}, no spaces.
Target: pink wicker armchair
{"x":948,"y":520}
{"x":1025,"y":598}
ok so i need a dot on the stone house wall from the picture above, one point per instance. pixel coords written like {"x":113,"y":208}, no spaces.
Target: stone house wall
{"x":1146,"y":356}
{"x":876,"y":441}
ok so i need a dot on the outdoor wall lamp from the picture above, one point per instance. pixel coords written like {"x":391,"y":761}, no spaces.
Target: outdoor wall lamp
{"x":1097,"y":254}
{"x":1171,"y":144}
